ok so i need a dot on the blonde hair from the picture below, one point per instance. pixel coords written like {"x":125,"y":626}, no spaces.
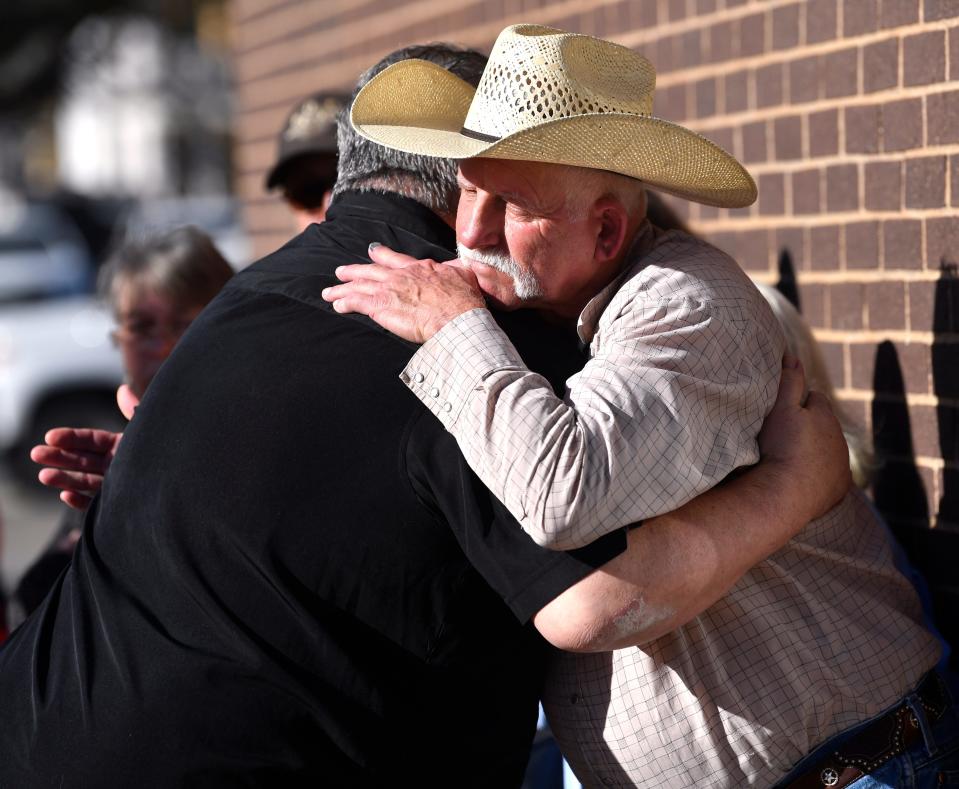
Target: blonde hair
{"x":802,"y":344}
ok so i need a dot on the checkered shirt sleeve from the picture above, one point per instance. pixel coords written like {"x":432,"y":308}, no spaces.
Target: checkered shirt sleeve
{"x":685,"y":363}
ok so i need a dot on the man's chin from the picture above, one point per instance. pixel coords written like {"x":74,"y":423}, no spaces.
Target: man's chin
{"x":497,"y":287}
{"x":501,"y":306}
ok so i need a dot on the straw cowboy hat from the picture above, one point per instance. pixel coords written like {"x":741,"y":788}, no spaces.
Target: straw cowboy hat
{"x":550,"y":96}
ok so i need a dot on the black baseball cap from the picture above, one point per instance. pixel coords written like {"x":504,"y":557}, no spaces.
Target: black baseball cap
{"x":310,"y":130}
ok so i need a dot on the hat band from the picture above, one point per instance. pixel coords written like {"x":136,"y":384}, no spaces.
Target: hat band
{"x":479,"y":135}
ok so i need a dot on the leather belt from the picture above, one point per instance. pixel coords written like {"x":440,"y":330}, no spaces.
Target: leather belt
{"x":878,"y":742}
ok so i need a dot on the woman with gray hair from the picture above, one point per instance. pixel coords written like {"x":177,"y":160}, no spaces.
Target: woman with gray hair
{"x":155,"y":286}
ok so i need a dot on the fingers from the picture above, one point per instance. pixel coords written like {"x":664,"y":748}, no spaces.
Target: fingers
{"x":358,"y":296}
{"x":127,"y":401}
{"x":792,"y":384}
{"x":376,"y":272}
{"x":76,"y":481}
{"x":387,"y":257}
{"x":81,"y":439}
{"x":384,"y":260}
{"x":75,"y":500}
{"x":819,"y":408}
{"x":353,"y":303}
{"x":830,"y":442}
{"x":336,"y":292}
{"x":68,"y":460}
{"x":817,"y":401}
{"x":413,"y":300}
{"x":362,"y":271}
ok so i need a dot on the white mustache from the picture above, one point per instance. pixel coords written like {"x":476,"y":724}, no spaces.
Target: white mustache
{"x":525,"y":284}
{"x":490,"y":258}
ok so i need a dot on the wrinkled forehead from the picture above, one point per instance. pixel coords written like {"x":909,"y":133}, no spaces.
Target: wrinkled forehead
{"x":507,"y":177}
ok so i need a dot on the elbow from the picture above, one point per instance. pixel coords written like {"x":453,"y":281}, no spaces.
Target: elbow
{"x":638,"y":623}
{"x":635,"y":624}
{"x":602,"y":629}
{"x":572,"y":622}
{"x":574,"y":636}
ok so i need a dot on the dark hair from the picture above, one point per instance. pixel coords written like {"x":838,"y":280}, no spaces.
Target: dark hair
{"x":305,"y":179}
{"x":183,"y":264}
{"x":662,"y":214}
{"x":366,"y":166}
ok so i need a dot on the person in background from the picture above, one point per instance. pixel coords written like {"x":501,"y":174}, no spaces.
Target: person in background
{"x":802,"y":343}
{"x":306,"y":160}
{"x":305,"y":171}
{"x":155,"y":287}
{"x":75,"y":460}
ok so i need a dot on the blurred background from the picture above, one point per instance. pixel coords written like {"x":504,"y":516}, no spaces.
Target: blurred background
{"x":121,"y":114}
{"x":116,"y":120}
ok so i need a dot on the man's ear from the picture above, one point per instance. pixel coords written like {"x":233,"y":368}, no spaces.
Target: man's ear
{"x":612,"y":229}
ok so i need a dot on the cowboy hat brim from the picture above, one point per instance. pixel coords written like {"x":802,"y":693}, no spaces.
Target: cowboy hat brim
{"x":419,"y":107}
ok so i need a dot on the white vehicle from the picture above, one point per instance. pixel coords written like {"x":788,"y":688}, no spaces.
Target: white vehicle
{"x":41,"y":252}
{"x":57,"y":367}
{"x":57,"y":363}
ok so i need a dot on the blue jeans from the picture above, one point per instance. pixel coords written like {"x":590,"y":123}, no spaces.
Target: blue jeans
{"x":930,"y":764}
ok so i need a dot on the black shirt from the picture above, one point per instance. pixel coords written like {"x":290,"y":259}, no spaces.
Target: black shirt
{"x":291,"y":576}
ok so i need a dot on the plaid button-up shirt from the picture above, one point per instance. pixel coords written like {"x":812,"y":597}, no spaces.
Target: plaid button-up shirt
{"x":685,"y":363}
{"x":685,"y":358}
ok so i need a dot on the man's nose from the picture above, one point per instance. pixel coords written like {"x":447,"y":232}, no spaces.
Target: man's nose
{"x":484,"y":223}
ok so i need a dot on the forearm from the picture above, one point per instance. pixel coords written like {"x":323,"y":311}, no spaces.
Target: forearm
{"x":640,"y":432}
{"x":678,"y":564}
{"x":533,"y":450}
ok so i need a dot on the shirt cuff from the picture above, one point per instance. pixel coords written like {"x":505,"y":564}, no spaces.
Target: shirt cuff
{"x":453,"y":363}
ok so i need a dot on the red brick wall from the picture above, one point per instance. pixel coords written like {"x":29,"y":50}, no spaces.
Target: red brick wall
{"x":845,"y":111}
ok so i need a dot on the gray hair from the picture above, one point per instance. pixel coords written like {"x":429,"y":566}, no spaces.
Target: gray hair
{"x":183,"y":264}
{"x":587,"y":185}
{"x":366,"y":166}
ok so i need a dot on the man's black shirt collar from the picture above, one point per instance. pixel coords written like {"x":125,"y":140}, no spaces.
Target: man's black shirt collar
{"x":395,"y":210}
